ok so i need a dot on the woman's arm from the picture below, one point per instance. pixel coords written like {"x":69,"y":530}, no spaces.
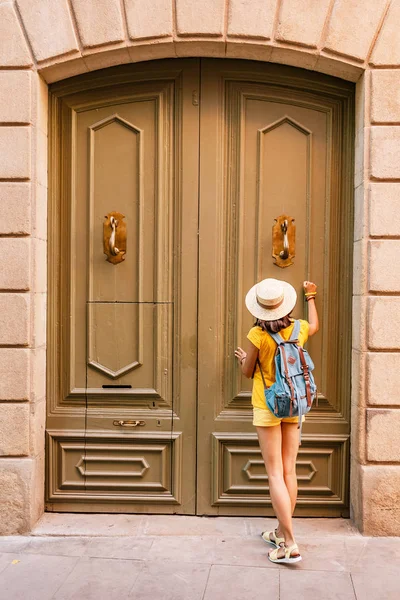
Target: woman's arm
{"x":247,"y":359}
{"x":310,"y":290}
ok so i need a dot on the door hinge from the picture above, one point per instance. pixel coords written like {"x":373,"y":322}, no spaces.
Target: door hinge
{"x":195,"y":98}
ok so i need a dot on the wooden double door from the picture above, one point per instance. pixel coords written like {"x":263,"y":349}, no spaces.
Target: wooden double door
{"x":186,"y":164}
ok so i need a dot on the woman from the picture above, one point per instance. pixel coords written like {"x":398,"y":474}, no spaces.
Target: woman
{"x":271,"y":302}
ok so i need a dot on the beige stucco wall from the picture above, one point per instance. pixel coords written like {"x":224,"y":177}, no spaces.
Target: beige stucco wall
{"x":42,"y":41}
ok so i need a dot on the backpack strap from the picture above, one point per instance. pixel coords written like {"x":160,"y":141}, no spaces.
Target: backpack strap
{"x":296,"y":331}
{"x":306,"y":374}
{"x":295,"y":334}
{"x":276,"y":337}
{"x":262,"y":374}
{"x":281,"y":349}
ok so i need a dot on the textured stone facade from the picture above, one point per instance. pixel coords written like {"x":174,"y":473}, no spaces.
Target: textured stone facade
{"x":42,"y":41}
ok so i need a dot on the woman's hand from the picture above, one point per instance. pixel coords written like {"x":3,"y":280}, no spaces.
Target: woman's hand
{"x":247,"y":360}
{"x":240,"y":354}
{"x":309,"y":287}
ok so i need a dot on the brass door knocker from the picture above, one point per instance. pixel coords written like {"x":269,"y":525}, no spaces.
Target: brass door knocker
{"x":114,"y":237}
{"x":283,"y":241}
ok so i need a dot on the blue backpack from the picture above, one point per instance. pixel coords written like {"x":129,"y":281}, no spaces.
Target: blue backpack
{"x":294,"y":389}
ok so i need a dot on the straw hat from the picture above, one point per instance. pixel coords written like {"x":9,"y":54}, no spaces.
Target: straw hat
{"x":271,"y":299}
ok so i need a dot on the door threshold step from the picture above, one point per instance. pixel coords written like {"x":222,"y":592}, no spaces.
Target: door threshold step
{"x":93,"y":525}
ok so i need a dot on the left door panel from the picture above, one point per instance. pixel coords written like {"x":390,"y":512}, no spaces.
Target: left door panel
{"x":119,"y":423}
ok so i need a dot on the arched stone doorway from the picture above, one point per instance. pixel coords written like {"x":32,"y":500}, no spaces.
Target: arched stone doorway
{"x":345,"y":39}
{"x":199,"y":157}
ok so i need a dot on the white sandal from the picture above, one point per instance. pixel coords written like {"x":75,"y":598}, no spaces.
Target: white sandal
{"x":286,"y":558}
{"x":276,"y":541}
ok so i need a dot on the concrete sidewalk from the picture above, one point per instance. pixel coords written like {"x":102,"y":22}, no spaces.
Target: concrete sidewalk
{"x":107,"y":557}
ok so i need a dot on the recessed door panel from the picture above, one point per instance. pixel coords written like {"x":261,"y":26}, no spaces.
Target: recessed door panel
{"x":115,"y":148}
{"x":130,"y":349}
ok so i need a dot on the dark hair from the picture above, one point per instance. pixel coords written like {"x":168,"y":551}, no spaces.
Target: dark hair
{"x":274,"y":326}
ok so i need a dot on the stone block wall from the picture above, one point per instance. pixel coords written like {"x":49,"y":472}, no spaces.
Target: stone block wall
{"x":42,"y":41}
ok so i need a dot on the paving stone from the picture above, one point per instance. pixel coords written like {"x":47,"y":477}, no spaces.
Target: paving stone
{"x":182,"y":525}
{"x":184,"y":549}
{"x":303,"y":585}
{"x":378,"y":553}
{"x":337,"y":555}
{"x":173,"y":567}
{"x":89,"y":525}
{"x":99,"y":579}
{"x":170,"y":581}
{"x":307,"y":527}
{"x":377,"y":585}
{"x":5,"y":560}
{"x":57,"y":546}
{"x":121,"y":547}
{"x":243,"y":551}
{"x":34,"y":577}
{"x":13,"y":543}
{"x":244,"y":583}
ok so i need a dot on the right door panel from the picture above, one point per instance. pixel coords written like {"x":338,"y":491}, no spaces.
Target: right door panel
{"x":272,"y":147}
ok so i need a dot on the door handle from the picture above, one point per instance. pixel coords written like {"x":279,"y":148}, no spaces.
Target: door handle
{"x":128,"y":423}
{"x":113,"y":224}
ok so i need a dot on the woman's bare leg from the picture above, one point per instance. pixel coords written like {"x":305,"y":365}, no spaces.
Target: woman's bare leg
{"x":290,"y":448}
{"x":270,"y":439}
